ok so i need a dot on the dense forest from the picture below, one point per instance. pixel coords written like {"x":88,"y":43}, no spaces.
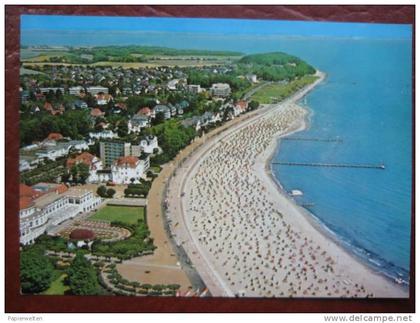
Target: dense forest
{"x":275,"y":66}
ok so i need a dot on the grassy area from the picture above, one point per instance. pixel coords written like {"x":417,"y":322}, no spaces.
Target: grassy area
{"x":155,"y":169}
{"x":57,"y":287}
{"x":126,"y":214}
{"x":277,"y":92}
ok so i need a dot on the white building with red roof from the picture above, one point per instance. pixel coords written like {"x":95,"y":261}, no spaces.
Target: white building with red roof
{"x":90,"y":160}
{"x":96,"y":112}
{"x":41,"y":210}
{"x":125,"y":168}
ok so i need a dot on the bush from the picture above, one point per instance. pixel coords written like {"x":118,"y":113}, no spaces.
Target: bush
{"x":102,"y":191}
{"x":110,"y":192}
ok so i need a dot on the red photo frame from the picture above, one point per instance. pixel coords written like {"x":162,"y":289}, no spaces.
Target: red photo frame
{"x":17,"y":303}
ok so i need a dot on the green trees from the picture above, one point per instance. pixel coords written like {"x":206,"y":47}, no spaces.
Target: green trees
{"x":172,"y":137}
{"x":160,"y":117}
{"x":138,"y":190}
{"x":110,"y":192}
{"x":79,"y":173}
{"x":122,"y":129}
{"x":82,"y":277}
{"x":73,"y":124}
{"x":253,"y":105}
{"x":139,"y":242}
{"x":102,"y":191}
{"x":275,"y":66}
{"x":36,"y":271}
{"x":134,"y":103}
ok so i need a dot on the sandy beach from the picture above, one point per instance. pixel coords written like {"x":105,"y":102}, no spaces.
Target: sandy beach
{"x":243,"y":235}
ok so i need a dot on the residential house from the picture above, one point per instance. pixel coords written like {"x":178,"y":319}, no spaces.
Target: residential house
{"x":148,"y":144}
{"x":94,"y":90}
{"x":79,"y":104}
{"x":103,"y":99}
{"x":252,"y":78}
{"x":172,"y":84}
{"x":195,"y":89}
{"x":96,"y":113}
{"x":55,"y":136}
{"x":163,"y":109}
{"x":76,"y":90}
{"x":137,"y":122}
{"x":145,"y":111}
{"x":220,"y":90}
{"x":90,"y":160}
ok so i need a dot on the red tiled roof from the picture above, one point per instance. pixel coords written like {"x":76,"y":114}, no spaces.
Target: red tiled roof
{"x":55,"y":136}
{"x":85,"y":158}
{"x":242,"y":104}
{"x":144,"y":111}
{"x":48,"y":106}
{"x":27,"y":196}
{"x":61,"y":188}
{"x":96,"y":112}
{"x":130,"y":161}
{"x":27,"y":191}
{"x":25,"y":202}
{"x":103,"y":96}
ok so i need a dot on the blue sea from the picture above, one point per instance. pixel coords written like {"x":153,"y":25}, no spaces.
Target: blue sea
{"x":366,"y":101}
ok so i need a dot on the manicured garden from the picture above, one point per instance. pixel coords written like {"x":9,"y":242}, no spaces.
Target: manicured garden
{"x":139,"y":243}
{"x":125,"y":214}
{"x":126,"y":287}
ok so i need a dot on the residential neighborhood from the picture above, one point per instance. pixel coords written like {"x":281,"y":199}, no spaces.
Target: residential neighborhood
{"x":98,"y":145}
{"x":122,"y":113}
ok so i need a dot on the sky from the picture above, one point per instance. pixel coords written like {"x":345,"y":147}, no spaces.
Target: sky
{"x":81,"y":24}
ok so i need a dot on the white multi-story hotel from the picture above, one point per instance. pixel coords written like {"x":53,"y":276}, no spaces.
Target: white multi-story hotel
{"x":40,"y":211}
{"x":126,"y":168}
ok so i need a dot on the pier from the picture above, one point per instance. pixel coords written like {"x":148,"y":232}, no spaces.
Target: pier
{"x":371,"y":166}
{"x":339,"y":140}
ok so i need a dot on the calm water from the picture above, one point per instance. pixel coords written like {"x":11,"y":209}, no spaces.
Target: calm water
{"x":366,"y":101}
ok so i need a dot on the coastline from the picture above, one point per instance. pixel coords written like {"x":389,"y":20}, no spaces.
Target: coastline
{"x":375,"y":279}
{"x":315,"y":221}
{"x":348,"y":276}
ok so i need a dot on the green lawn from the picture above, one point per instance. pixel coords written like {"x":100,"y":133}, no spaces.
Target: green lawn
{"x":57,"y":286}
{"x":276,"y":92}
{"x":155,"y":169}
{"x":127,"y":214}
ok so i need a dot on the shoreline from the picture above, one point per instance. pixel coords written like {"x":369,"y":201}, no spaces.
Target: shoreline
{"x":315,"y":221}
{"x":311,"y":218}
{"x":335,"y":273}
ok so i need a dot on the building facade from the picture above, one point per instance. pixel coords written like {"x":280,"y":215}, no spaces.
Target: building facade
{"x":39,"y":211}
{"x":112,"y":150}
{"x":220,"y":90}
